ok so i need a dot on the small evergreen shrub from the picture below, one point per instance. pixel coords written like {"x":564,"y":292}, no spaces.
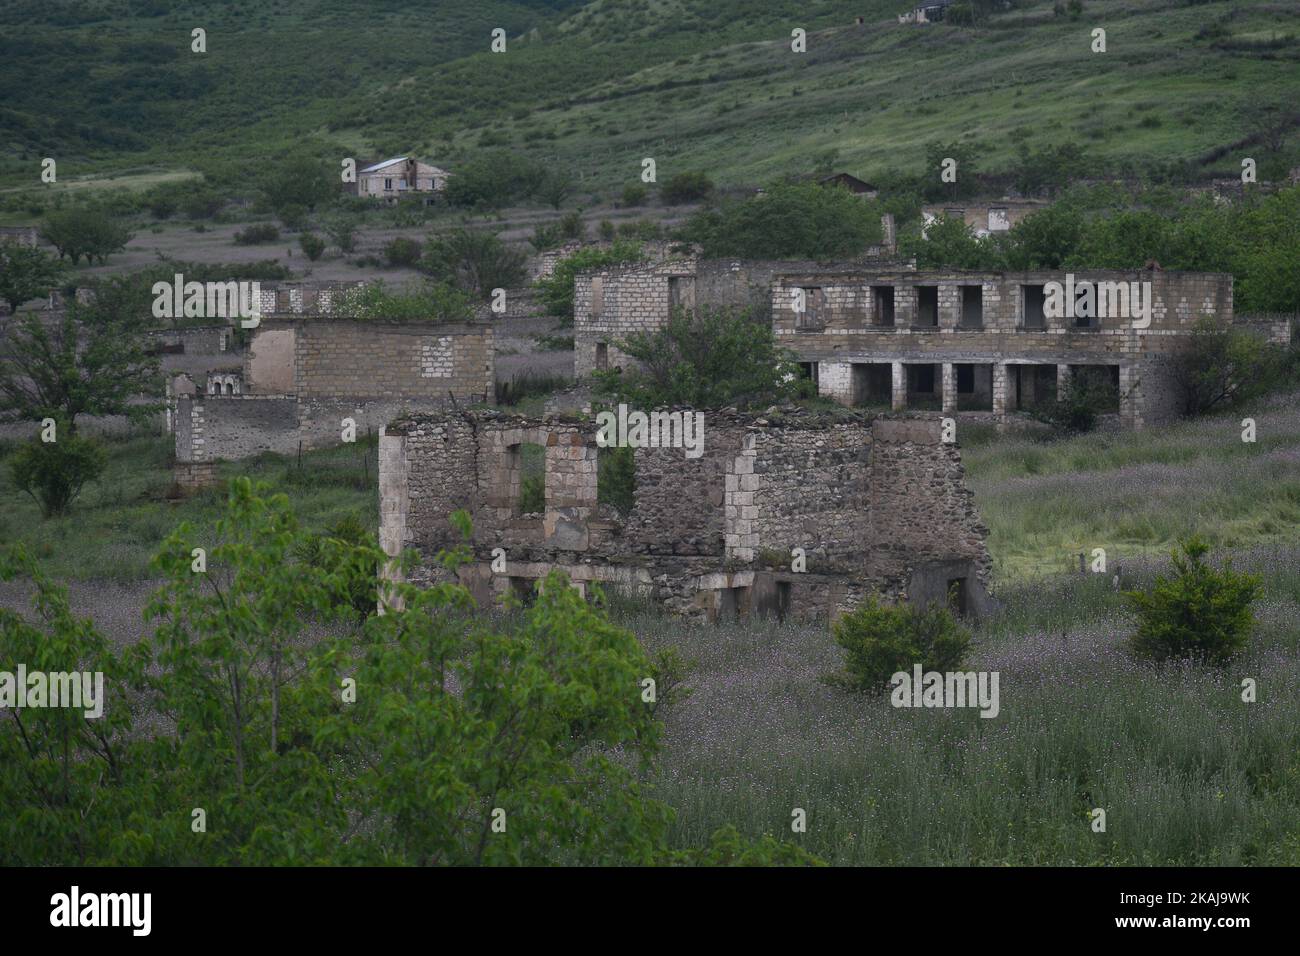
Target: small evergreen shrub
{"x":879,"y":640}
{"x":1198,"y":613}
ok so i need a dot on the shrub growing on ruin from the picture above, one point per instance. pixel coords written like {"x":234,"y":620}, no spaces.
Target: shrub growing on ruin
{"x":53,"y":473}
{"x":556,"y":291}
{"x":709,"y":358}
{"x":1076,"y":408}
{"x":417,"y":302}
{"x":1198,"y":613}
{"x":879,"y":640}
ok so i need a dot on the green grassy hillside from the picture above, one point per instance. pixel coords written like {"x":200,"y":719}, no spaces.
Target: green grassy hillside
{"x":595,"y":87}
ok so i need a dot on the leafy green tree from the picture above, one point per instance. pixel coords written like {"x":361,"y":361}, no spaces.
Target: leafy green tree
{"x":91,"y":360}
{"x":709,"y":358}
{"x":313,"y":246}
{"x":1044,"y":239}
{"x":790,"y":220}
{"x":475,"y":261}
{"x":26,"y":273}
{"x":967,"y":179}
{"x":84,"y":231}
{"x":53,"y":473}
{"x":1222,"y":365}
{"x":879,"y":640}
{"x":1198,"y":613}
{"x":495,"y":178}
{"x":951,"y":244}
{"x":556,"y":291}
{"x":343,"y":231}
{"x":64,"y":776}
{"x":555,"y":188}
{"x":300,"y":181}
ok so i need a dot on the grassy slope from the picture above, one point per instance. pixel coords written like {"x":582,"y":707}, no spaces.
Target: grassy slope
{"x":714,"y":85}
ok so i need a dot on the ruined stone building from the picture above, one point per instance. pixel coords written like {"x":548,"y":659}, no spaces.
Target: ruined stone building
{"x":881,"y":334}
{"x":984,"y":217}
{"x":875,"y":505}
{"x":303,"y":370}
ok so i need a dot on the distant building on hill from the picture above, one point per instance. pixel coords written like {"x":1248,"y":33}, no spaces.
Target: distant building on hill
{"x":928,"y":11}
{"x":392,"y":179}
{"x":852,"y":184}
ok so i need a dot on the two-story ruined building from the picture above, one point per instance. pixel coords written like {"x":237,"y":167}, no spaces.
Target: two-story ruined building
{"x":878,"y":333}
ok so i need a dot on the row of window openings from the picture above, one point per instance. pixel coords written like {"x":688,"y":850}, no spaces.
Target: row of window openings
{"x":1033,"y":315}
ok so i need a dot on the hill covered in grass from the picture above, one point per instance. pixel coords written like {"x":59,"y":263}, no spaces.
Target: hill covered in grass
{"x":1184,"y":89}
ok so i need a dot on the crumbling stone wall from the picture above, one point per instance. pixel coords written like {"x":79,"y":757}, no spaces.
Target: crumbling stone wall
{"x":875,"y":505}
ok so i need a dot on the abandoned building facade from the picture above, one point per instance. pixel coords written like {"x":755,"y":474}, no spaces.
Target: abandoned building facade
{"x":304,"y":370}
{"x":391,"y":179}
{"x":878,"y":333}
{"x":873,"y":505}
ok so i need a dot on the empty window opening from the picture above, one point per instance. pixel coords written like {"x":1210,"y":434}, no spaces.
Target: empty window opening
{"x":974,"y":387}
{"x":526,"y":478}
{"x":810,"y":371}
{"x":927,"y":306}
{"x":972,"y":306}
{"x":814,"y":308}
{"x":1032,"y":317}
{"x":872,"y":384}
{"x":1101,"y":384}
{"x":681,"y":292}
{"x":602,"y":355}
{"x":883,"y":296}
{"x":616,"y":478}
{"x":922,"y":387}
{"x":957,"y":596}
{"x":783,"y":591}
{"x":733,"y":604}
{"x":524,"y":590}
{"x":1035,"y":385}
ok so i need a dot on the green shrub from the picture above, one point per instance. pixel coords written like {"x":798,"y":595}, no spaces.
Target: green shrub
{"x":477,"y":262}
{"x":686,"y":187}
{"x":1198,"y":613}
{"x":312,"y":244}
{"x":334,"y":550}
{"x":880,"y":640}
{"x":1076,"y":408}
{"x":256,"y":234}
{"x":402,"y":252}
{"x":54,"y":473}
{"x":634,"y":194}
{"x":424,"y":302}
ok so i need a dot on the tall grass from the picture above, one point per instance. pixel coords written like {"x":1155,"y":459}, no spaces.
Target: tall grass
{"x":1186,"y":772}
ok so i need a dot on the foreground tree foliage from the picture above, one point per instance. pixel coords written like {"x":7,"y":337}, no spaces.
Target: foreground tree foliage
{"x":257,"y":727}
